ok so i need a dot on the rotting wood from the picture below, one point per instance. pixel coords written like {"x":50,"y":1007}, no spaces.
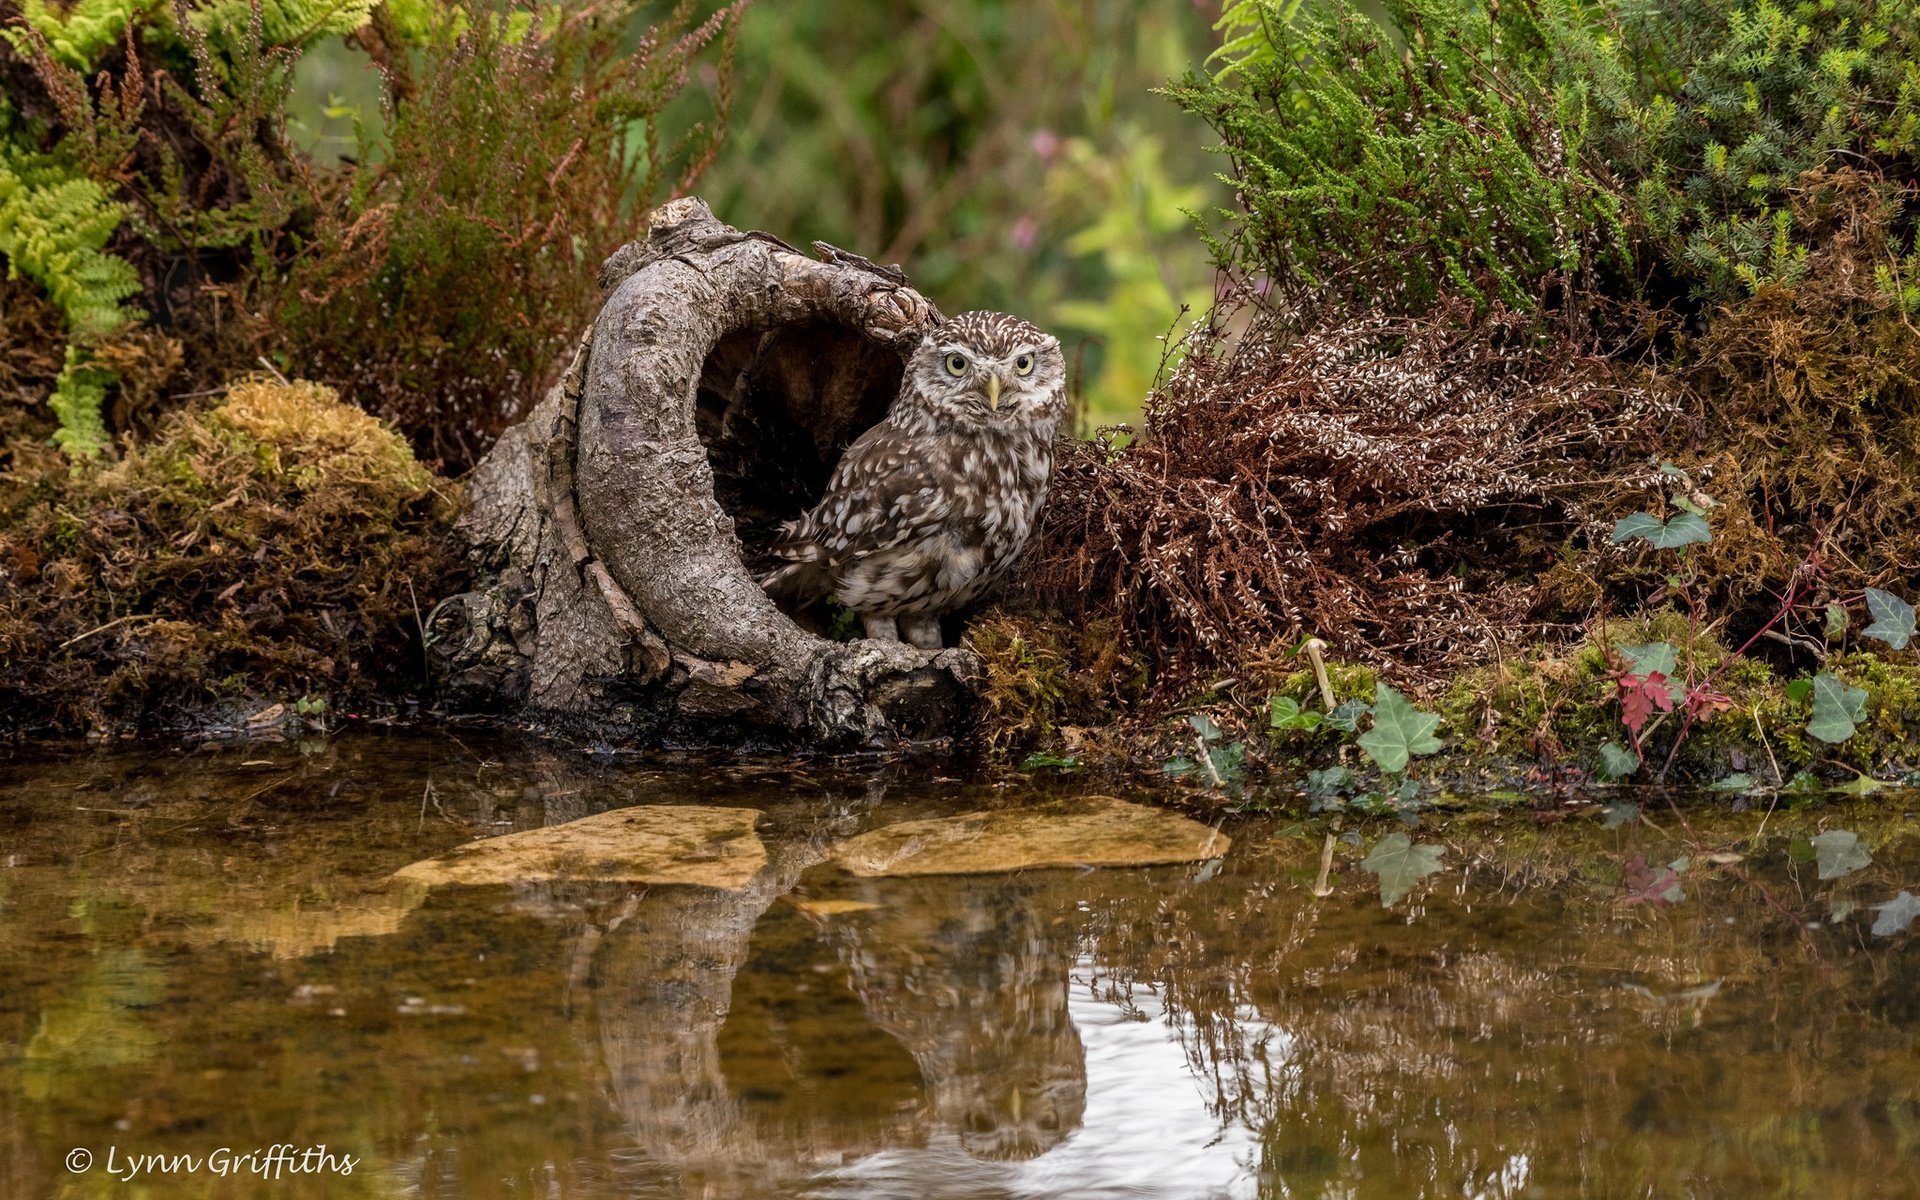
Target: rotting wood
{"x":613,"y":529}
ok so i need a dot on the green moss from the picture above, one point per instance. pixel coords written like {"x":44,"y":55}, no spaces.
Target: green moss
{"x":277,"y":545}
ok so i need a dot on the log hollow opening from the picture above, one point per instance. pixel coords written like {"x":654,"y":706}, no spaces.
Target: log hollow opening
{"x":776,"y":410}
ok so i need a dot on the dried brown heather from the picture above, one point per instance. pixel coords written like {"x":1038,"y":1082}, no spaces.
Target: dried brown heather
{"x":1395,"y":486}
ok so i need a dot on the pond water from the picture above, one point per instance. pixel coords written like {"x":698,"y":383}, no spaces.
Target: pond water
{"x":201,"y":958}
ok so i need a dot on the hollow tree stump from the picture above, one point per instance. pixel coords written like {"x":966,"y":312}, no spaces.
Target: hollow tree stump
{"x":615,"y":530}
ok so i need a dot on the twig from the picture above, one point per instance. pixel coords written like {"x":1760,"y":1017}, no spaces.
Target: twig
{"x":1316,"y":651}
{"x":1321,"y":887}
{"x":275,"y":371}
{"x":117,"y":621}
{"x":426,"y":670}
{"x":1205,"y":758}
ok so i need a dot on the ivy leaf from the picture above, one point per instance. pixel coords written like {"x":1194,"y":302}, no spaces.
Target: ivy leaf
{"x":1658,"y":886}
{"x":1739,"y":781}
{"x":1686,"y":529}
{"x":1617,"y":762}
{"x":1896,"y":914}
{"x":1836,"y":620}
{"x":1329,"y":782}
{"x":1400,"y":863}
{"x":1643,"y":661}
{"x":1618,"y":813}
{"x":1836,"y":709}
{"x":1400,"y":731}
{"x":1839,"y":852}
{"x":1892,"y":619}
{"x":1204,"y":727}
{"x":1346,"y":717}
{"x":1284,"y":712}
{"x":1799,"y":690}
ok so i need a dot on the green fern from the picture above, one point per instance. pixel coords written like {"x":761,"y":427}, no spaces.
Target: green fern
{"x":77,"y":33}
{"x":54,"y":228}
{"x":286,"y":22}
{"x":79,"y":395}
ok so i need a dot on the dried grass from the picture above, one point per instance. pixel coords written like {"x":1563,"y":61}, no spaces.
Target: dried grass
{"x":1392,"y":485}
{"x":1805,"y":404}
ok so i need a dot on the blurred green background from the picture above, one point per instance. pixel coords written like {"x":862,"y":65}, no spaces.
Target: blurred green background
{"x":1010,"y":154}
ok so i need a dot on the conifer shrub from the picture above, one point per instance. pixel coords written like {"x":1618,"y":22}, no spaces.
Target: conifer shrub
{"x":1717,"y":193}
{"x":1383,"y":163}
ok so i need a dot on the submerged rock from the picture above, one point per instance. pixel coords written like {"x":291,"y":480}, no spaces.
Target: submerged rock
{"x":1097,"y":831}
{"x":691,"y":844}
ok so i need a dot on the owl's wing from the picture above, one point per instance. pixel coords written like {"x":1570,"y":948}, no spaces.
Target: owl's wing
{"x":884,"y":493}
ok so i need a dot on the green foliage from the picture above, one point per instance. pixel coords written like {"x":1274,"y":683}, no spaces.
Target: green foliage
{"x":54,"y":229}
{"x":1725,"y":104}
{"x":1400,"y":731}
{"x":522,"y":153}
{"x":1400,"y":862}
{"x":1684,"y":529}
{"x":1284,"y":714}
{"x":1009,"y":153}
{"x":1839,"y":852}
{"x":77,"y":34}
{"x":78,"y":396}
{"x":519,"y":141}
{"x":1135,"y":229}
{"x":283,"y":22}
{"x":1216,"y":763}
{"x":1837,"y":708}
{"x":1384,"y":161}
{"x":1892,"y":619}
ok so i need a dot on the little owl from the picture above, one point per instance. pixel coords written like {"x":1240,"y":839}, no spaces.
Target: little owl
{"x":929,"y":508}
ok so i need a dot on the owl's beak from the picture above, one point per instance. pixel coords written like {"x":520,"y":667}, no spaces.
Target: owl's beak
{"x":993,"y":392}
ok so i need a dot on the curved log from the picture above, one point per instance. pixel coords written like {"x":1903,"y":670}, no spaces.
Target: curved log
{"x":615,"y":529}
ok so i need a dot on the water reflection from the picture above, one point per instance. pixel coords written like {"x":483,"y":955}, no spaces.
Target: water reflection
{"x":196,"y":952}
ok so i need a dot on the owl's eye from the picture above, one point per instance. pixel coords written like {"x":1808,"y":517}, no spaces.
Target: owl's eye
{"x":1024,"y":364}
{"x":956,"y":365}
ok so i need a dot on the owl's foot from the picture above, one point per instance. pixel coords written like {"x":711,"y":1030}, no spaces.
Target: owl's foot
{"x":880,"y":629}
{"x":922,"y":630}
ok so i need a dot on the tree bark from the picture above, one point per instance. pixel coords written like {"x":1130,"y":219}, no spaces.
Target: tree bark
{"x":616,"y":530}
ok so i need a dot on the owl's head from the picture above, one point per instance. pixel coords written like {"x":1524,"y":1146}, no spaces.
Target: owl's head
{"x":988,"y":368}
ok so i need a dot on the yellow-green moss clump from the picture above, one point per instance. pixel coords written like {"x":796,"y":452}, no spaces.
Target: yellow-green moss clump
{"x":272,"y":546}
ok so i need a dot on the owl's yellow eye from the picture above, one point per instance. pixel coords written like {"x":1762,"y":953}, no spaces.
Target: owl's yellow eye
{"x":1024,"y":364}
{"x":956,"y":365}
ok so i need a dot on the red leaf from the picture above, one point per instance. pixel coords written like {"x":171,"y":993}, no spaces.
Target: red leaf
{"x":1701,"y":702}
{"x":1658,"y":886}
{"x":1639,"y":697}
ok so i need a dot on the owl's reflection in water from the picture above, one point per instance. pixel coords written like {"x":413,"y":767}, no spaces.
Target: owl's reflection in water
{"x":970,"y":976}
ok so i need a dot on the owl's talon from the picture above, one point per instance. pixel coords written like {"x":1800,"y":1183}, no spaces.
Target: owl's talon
{"x":880,"y":629}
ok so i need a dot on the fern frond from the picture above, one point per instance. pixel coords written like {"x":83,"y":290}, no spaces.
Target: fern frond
{"x":286,"y":22}
{"x":78,"y":33}
{"x":54,"y":228}
{"x":79,"y":393}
